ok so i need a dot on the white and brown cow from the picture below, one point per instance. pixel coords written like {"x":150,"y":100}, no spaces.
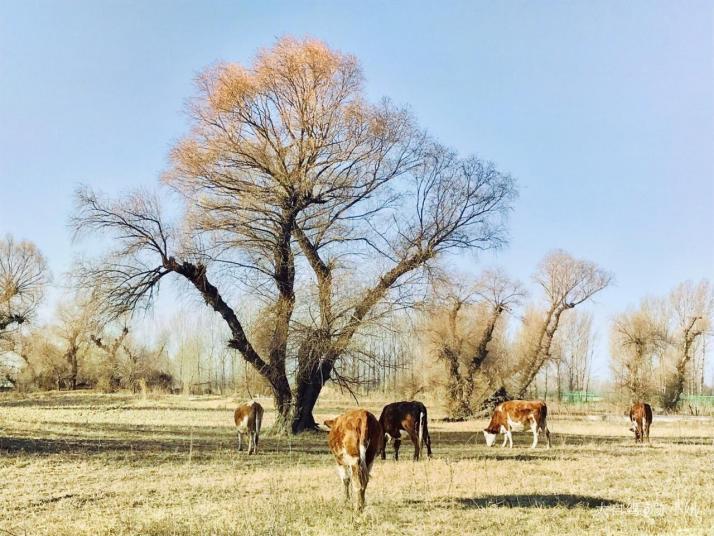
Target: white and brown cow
{"x":640,"y":421}
{"x":355,"y":439}
{"x":405,"y":419}
{"x":248,"y":418}
{"x":516,"y":415}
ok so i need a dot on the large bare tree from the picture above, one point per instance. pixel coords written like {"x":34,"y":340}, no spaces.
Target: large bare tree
{"x":567,"y":282}
{"x":311,"y":198}
{"x":636,"y":338}
{"x":691,"y":307}
{"x":461,"y":326}
{"x":23,"y":277}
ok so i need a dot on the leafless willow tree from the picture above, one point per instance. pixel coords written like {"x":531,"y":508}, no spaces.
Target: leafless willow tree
{"x":637,"y":337}
{"x":461,"y":328}
{"x":309,"y":197}
{"x":567,"y":282}
{"x":23,"y":277}
{"x":111,"y":347}
{"x":691,"y":308}
{"x":77,"y":321}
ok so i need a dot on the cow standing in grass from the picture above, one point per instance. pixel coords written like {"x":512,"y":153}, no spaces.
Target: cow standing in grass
{"x":248,"y":418}
{"x":516,"y":415}
{"x":640,"y":421}
{"x":355,"y":438}
{"x":405,"y":419}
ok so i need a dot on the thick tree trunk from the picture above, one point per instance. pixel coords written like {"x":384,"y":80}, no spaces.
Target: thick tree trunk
{"x":314,"y":370}
{"x":479,"y":358}
{"x":307,"y":393}
{"x":675,"y":386}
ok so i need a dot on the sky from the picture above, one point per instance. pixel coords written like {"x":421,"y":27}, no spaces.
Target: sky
{"x":602,"y":111}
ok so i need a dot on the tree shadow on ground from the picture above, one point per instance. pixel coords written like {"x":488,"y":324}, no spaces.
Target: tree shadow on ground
{"x":154,"y":441}
{"x":554,"y":500}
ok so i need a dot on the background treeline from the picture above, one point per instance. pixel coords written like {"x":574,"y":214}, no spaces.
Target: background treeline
{"x":467,"y":342}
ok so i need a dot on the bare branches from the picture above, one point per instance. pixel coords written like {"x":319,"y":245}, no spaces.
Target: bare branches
{"x":23,"y":276}
{"x":128,"y":276}
{"x":287,"y":162}
{"x":499,"y":290}
{"x":568,"y":281}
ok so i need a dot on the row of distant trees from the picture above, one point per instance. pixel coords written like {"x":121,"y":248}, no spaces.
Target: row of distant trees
{"x":468,"y":342}
{"x":314,"y":226}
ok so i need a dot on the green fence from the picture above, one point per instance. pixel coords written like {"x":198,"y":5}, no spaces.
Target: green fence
{"x":698,"y":400}
{"x":580,"y":397}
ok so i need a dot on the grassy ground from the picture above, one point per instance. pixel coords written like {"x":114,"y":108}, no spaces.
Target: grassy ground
{"x":85,"y":463}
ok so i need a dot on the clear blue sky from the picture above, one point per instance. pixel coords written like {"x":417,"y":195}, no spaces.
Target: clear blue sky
{"x":603,"y":111}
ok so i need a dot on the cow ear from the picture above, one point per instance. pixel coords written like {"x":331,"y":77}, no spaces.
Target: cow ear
{"x":330,"y":423}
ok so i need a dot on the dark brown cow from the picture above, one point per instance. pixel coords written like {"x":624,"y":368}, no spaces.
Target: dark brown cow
{"x":248,"y":418}
{"x":640,"y":421}
{"x":405,"y":419}
{"x":516,"y":415}
{"x":355,"y":439}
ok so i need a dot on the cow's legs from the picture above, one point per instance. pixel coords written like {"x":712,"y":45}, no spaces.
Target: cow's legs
{"x":636,"y":429}
{"x":547,"y":435}
{"x":647,"y":432}
{"x":397,"y":444}
{"x":254,"y":442}
{"x":383,"y":452}
{"x":240,"y":441}
{"x":505,"y":439}
{"x":534,"y":430}
{"x":360,"y":478}
{"x":417,"y":446}
{"x":344,"y":474}
{"x":510,"y":439}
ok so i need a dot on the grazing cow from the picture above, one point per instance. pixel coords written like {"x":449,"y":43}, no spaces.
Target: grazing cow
{"x":248,"y":418}
{"x":515,"y":415}
{"x":405,"y":419}
{"x":640,"y":421}
{"x":355,"y":439}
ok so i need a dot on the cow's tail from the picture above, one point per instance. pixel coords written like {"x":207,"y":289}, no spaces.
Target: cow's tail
{"x":363,"y":469}
{"x":258,"y":421}
{"x":544,"y":418}
{"x":421,"y":430}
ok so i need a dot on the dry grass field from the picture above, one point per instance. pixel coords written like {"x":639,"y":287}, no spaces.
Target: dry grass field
{"x":84,"y":463}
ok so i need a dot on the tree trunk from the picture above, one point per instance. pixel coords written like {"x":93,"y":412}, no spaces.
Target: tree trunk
{"x":71,"y":357}
{"x":315,"y":366}
{"x":479,"y":358}
{"x":675,"y":386}
{"x":307,"y":392}
{"x":543,"y":349}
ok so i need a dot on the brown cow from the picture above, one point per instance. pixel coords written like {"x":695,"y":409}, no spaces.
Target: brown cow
{"x":640,"y":421}
{"x":248,"y":418}
{"x":405,"y":419}
{"x":355,"y":439}
{"x":515,"y":415}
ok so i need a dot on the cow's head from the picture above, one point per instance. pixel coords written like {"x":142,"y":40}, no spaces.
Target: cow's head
{"x":490,"y":437}
{"x":330,"y":423}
